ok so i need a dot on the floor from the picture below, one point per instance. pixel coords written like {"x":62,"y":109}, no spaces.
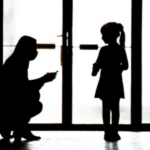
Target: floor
{"x":81,"y":140}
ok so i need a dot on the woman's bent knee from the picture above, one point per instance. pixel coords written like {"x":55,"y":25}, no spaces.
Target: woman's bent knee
{"x":39,"y":107}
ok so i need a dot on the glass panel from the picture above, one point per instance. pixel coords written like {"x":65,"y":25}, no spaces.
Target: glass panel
{"x":145,"y":64}
{"x":51,"y":93}
{"x":125,"y":104}
{"x":86,"y":30}
{"x":90,"y":15}
{"x":86,"y":109}
{"x":41,"y":19}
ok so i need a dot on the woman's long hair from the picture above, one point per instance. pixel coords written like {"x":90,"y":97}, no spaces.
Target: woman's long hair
{"x":23,"y":45}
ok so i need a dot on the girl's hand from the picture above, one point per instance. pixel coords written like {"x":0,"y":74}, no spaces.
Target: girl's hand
{"x":49,"y":76}
{"x":95,"y":68}
{"x":96,"y":65}
{"x":121,"y":69}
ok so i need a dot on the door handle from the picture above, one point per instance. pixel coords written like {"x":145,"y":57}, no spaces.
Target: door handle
{"x":59,"y":35}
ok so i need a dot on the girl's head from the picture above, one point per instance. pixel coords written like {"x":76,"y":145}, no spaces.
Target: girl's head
{"x":26,"y":48}
{"x":111,"y":31}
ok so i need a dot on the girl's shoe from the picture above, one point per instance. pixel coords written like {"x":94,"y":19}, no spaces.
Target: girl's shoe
{"x":107,"y":137}
{"x":116,"y":137}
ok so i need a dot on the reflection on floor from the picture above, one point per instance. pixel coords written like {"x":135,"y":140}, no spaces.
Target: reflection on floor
{"x":84,"y":140}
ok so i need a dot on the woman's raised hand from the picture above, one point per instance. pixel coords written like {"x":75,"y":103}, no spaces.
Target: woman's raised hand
{"x":50,"y":76}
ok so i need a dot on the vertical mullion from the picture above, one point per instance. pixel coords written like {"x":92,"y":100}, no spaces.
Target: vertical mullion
{"x":1,"y":33}
{"x":136,"y":68}
{"x":67,"y":63}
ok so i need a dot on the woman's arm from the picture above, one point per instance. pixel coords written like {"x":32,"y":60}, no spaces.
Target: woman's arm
{"x":38,"y":83}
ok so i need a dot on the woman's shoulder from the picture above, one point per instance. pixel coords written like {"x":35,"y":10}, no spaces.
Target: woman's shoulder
{"x":10,"y":62}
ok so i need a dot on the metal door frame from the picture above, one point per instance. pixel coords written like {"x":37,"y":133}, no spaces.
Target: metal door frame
{"x":136,"y":73}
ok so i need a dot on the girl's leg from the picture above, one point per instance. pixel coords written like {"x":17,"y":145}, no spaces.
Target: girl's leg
{"x":115,"y":118}
{"x":106,"y":119}
{"x":106,"y":113}
{"x":115,"y":112}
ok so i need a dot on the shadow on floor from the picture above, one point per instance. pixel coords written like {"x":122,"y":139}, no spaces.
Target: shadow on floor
{"x":7,"y":145}
{"x":111,"y":146}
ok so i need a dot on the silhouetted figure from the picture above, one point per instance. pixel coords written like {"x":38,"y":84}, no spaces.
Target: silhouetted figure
{"x":20,"y":97}
{"x":112,"y":60}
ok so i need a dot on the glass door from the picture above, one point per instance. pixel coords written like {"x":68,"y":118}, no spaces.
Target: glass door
{"x":41,"y":19}
{"x":88,"y":17}
{"x":74,"y":101}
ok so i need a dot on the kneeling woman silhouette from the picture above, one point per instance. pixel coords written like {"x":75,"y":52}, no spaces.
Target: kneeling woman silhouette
{"x":20,"y":96}
{"x":112,"y":61}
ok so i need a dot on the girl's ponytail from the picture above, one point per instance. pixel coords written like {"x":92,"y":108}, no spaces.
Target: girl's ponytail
{"x":122,"y":36}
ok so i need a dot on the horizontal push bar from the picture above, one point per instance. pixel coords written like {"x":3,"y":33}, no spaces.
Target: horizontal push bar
{"x":88,"y":47}
{"x":46,"y":46}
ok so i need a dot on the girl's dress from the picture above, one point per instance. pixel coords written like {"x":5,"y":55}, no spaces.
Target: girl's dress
{"x":111,"y":60}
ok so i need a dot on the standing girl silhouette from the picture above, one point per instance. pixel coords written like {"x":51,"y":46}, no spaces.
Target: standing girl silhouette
{"x":112,"y":61}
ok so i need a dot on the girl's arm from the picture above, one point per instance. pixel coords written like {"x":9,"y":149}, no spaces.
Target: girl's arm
{"x":124,"y":60}
{"x":97,"y":65}
{"x":96,"y":68}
